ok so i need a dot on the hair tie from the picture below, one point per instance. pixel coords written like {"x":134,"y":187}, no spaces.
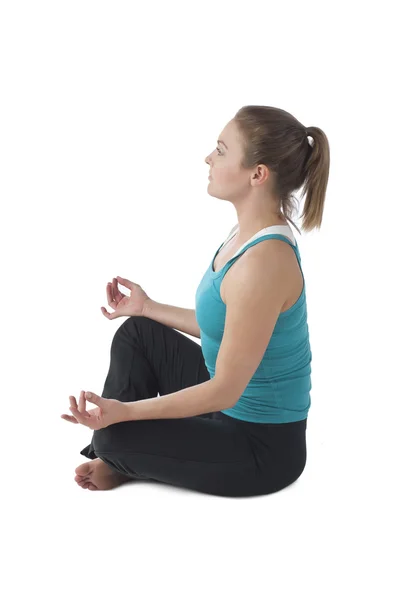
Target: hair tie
{"x":308,"y":134}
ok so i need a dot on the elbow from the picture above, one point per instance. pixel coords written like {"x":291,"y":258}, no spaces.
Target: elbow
{"x":227,"y":395}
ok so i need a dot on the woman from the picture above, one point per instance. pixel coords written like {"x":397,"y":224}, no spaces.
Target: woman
{"x":227,"y":417}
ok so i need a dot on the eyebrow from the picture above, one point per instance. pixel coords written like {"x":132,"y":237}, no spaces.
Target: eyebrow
{"x":221,"y":142}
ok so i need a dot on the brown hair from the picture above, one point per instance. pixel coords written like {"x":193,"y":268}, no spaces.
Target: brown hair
{"x":273,"y":137}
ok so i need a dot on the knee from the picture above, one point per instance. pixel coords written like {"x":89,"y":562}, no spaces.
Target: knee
{"x":135,"y":319}
{"x":105,"y":440}
{"x":130,"y":326}
{"x":98,"y":441}
{"x":139,"y":327}
{"x":117,"y":438}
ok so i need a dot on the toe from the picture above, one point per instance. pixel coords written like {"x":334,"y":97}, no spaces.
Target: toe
{"x":84,"y":469}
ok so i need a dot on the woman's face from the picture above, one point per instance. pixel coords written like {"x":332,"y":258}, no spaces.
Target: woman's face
{"x":227,"y":178}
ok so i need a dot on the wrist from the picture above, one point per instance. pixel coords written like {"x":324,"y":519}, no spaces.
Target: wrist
{"x":147,"y":307}
{"x":129,"y":412}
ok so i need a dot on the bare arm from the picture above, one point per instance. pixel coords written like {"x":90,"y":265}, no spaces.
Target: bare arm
{"x":205,"y":397}
{"x":182,"y":319}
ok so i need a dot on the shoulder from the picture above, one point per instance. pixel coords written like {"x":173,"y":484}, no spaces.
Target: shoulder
{"x":264,"y":266}
{"x":268,"y":256}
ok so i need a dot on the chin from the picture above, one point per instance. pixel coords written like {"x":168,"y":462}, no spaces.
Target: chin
{"x":214,"y":195}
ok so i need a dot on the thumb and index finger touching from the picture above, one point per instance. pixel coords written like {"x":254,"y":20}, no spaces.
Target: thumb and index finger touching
{"x":128,"y":284}
{"x":89,"y":396}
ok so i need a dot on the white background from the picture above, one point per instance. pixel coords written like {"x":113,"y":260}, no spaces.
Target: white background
{"x":108,"y":110}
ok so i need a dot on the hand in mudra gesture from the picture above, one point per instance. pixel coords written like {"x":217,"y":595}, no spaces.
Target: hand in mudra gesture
{"x":107,"y":412}
{"x":125,"y":306}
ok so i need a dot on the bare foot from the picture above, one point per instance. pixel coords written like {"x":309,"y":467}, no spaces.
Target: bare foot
{"x":97,"y":475}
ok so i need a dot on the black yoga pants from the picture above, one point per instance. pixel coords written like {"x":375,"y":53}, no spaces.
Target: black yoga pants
{"x":210,"y":453}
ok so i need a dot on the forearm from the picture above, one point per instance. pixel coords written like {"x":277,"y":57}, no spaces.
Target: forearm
{"x":182,"y":319}
{"x":205,"y":397}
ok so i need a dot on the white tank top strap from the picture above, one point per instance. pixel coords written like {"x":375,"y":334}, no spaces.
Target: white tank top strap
{"x":281,"y":229}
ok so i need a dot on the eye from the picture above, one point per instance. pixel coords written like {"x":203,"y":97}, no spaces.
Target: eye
{"x":218,"y":150}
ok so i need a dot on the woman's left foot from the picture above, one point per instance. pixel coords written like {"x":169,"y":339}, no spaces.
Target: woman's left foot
{"x":97,"y":475}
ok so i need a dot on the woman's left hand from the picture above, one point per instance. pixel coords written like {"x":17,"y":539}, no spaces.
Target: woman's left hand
{"x":107,"y":411}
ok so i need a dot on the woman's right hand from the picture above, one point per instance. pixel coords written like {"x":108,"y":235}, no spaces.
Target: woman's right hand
{"x":125,"y":306}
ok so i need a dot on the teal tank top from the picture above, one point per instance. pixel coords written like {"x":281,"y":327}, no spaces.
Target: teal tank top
{"x":279,"y":391}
